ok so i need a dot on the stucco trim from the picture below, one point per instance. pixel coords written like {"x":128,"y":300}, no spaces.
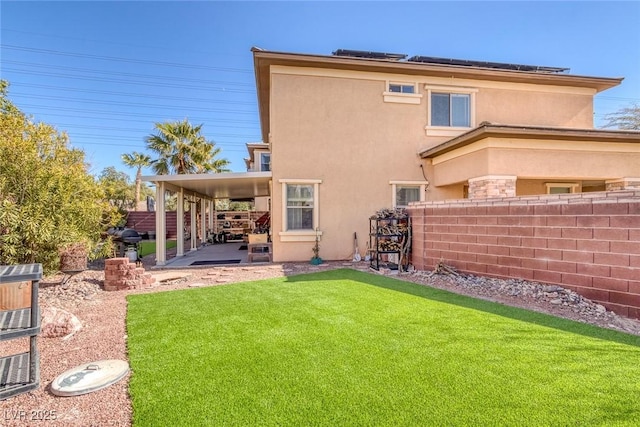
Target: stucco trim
{"x":299,"y":236}
{"x":402,"y":98}
{"x":492,"y":177}
{"x":514,"y":132}
{"x":300,"y":181}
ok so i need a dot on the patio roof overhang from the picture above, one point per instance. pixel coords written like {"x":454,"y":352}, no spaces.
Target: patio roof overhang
{"x":541,"y":133}
{"x":231,"y":185}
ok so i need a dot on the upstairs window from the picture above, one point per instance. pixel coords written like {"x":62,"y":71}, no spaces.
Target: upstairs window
{"x":450,"y":109}
{"x":401,"y":93}
{"x":265,"y":162}
{"x":402,"y":88}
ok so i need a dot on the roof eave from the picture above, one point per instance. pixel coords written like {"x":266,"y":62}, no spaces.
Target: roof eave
{"x":439,"y":70}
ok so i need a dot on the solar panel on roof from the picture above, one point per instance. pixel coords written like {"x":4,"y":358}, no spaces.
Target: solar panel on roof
{"x":369,"y":54}
{"x":484,"y":64}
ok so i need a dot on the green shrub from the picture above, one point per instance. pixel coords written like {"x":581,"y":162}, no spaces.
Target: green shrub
{"x":47,"y":198}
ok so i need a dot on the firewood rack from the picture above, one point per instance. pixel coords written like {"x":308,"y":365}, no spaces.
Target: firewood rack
{"x":20,"y":373}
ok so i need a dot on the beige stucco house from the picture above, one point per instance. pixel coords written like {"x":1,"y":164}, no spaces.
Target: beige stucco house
{"x":353,"y":132}
{"x":347,"y":134}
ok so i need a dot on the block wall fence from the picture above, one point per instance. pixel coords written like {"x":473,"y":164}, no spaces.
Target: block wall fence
{"x":143,"y":221}
{"x":587,"y":242}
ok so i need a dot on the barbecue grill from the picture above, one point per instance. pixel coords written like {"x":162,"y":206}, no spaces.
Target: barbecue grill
{"x":125,"y":239}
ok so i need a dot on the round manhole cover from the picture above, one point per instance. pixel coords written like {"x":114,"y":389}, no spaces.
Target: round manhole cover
{"x":89,"y":377}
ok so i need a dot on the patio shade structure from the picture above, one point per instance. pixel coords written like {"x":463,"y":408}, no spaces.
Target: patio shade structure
{"x":206,"y":187}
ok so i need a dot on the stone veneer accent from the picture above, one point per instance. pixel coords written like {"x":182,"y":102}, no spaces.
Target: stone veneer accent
{"x":623,"y":184}
{"x":586,"y":242}
{"x":122,"y":274}
{"x":484,"y":187}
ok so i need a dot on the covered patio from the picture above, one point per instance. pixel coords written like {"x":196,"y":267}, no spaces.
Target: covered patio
{"x":206,"y":189}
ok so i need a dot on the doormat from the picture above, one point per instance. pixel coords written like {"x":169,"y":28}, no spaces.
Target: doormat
{"x":216,"y":262}
{"x":242,"y":248}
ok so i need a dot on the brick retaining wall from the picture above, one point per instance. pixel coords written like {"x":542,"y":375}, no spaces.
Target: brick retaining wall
{"x":121,"y":274}
{"x":587,"y":242}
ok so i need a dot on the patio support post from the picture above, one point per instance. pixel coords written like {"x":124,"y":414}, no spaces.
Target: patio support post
{"x":211,"y":213}
{"x":194,"y":228}
{"x":203,"y":221}
{"x":161,"y":226}
{"x":180,"y":223}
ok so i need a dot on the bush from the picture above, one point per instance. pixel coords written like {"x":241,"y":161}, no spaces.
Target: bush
{"x":47,"y":198}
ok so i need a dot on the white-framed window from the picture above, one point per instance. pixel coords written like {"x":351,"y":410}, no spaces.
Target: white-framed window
{"x":300,"y":206}
{"x":402,"y":87}
{"x":450,"y":110}
{"x":300,"y":210}
{"x":265,"y":162}
{"x":405,"y":192}
{"x":562,"y":187}
{"x":401,"y":92}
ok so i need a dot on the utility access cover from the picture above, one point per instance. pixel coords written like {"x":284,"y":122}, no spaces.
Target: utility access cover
{"x":89,"y":377}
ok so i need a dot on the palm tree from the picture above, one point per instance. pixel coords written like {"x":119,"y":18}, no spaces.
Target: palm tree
{"x":137,"y":160}
{"x":182,"y":149}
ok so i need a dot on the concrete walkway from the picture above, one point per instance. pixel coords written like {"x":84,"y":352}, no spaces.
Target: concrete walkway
{"x":212,"y":255}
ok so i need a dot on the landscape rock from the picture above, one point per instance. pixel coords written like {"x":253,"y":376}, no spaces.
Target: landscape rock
{"x":57,"y":322}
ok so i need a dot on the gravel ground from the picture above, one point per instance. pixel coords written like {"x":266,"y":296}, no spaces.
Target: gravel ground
{"x":103,"y":334}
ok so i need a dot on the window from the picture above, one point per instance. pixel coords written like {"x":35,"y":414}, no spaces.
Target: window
{"x":300,"y":210}
{"x":401,"y":93}
{"x":265,"y":162}
{"x":450,"y":109}
{"x":402,"y":88}
{"x":299,"y":207}
{"x":562,"y":187}
{"x":405,"y":192}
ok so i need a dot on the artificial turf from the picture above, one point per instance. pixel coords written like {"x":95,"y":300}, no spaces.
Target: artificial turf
{"x":147,"y":248}
{"x":349,"y":348}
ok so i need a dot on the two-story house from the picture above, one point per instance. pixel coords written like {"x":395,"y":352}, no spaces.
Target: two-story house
{"x":347,"y":134}
{"x":354,"y":132}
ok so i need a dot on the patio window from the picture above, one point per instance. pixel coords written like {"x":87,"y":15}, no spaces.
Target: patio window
{"x":299,"y":210}
{"x":299,"y":207}
{"x":562,"y":187}
{"x":405,"y":192}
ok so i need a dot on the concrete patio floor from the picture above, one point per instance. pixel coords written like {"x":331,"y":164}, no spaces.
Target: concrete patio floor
{"x":217,"y":253}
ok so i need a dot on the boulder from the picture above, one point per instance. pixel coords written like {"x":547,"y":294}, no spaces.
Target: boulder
{"x":57,"y":322}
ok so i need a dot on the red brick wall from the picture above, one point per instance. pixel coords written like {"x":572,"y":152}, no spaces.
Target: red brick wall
{"x":143,"y":221}
{"x":588,"y":242}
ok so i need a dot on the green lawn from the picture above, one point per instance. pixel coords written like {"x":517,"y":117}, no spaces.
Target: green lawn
{"x":349,"y":348}
{"x":147,"y":247}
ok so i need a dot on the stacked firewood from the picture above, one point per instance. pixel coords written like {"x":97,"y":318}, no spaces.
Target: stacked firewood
{"x":444,"y":269}
{"x":389,"y":245}
{"x":73,"y":257}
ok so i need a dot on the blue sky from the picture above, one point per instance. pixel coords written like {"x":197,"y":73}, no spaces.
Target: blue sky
{"x":105,"y":72}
